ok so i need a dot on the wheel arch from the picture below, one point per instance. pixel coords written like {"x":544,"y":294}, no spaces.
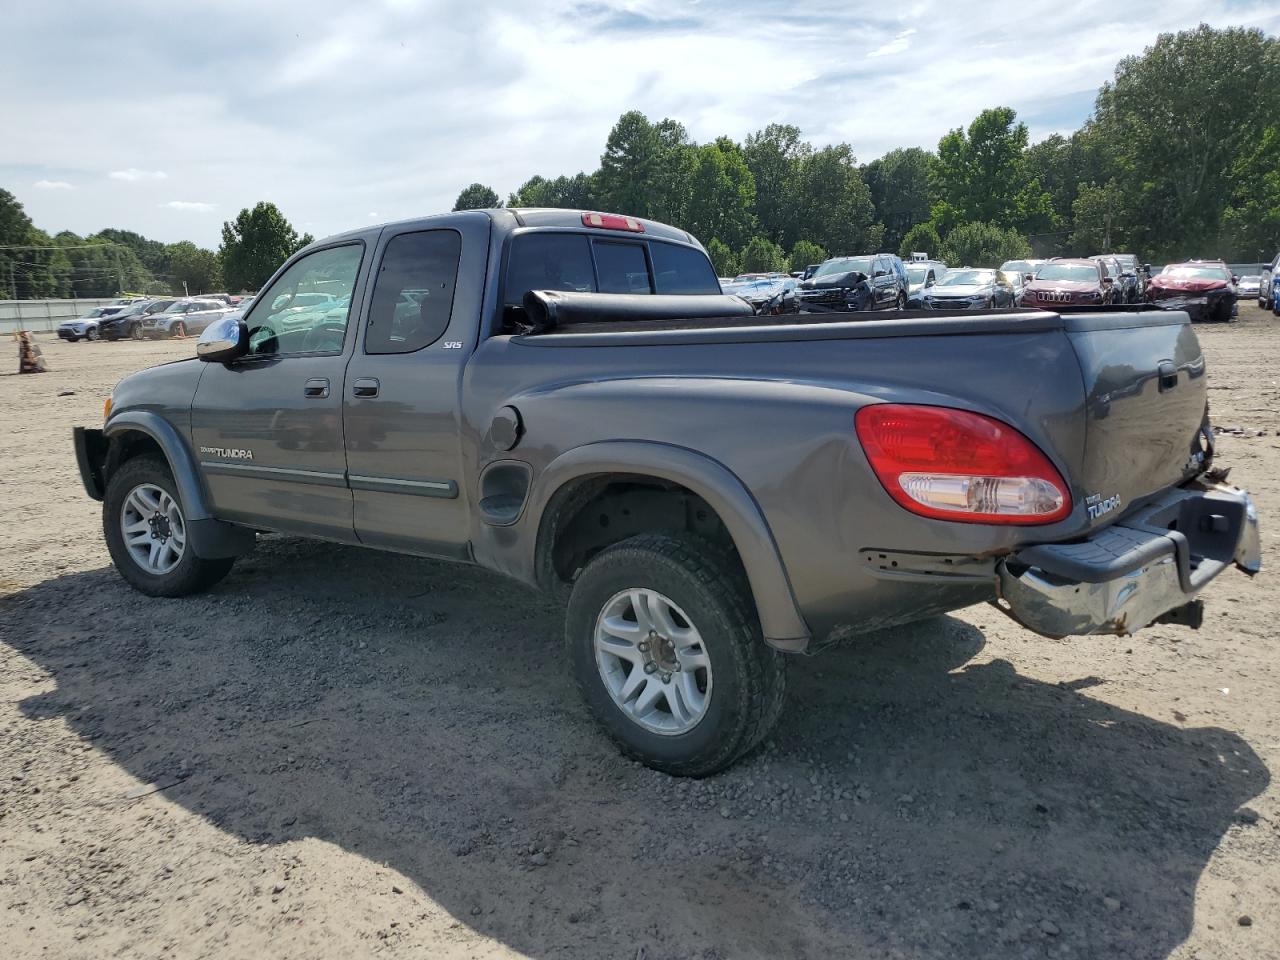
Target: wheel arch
{"x":132,"y":433}
{"x":582,"y":475}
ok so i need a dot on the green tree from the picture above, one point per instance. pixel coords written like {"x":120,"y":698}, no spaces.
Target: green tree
{"x":477,"y":197}
{"x":150,"y":253}
{"x":1178,"y":117}
{"x":805,"y":252}
{"x":254,"y":244}
{"x":1251,"y":224}
{"x":33,"y":273}
{"x":981,"y":175}
{"x":899,"y":185}
{"x":762,"y":255}
{"x":1097,"y":224}
{"x":773,"y":155}
{"x":97,"y":268}
{"x":199,"y":269}
{"x":722,"y":258}
{"x":922,"y":238}
{"x":722,"y":196}
{"x":832,"y":203}
{"x":646,"y":169}
{"x":572,"y":193}
{"x":983,"y":245}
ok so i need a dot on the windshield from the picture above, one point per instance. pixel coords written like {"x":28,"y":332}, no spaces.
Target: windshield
{"x":845,"y":265}
{"x":917,"y":274}
{"x":1072,"y":272}
{"x":93,"y":314}
{"x":970,"y":278}
{"x":178,"y":306}
{"x":1196,"y":273}
{"x":1016,"y":266}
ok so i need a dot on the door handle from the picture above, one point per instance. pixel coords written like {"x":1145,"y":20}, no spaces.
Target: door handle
{"x":316,"y":389}
{"x":1168,"y":374}
{"x":365,"y":387}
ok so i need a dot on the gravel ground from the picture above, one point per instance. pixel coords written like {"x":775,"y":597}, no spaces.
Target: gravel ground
{"x":292,"y":766}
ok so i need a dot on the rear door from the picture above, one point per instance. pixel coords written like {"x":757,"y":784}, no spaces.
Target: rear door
{"x":267,"y":428}
{"x":400,"y":398}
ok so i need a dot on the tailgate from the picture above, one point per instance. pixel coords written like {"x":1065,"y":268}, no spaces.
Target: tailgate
{"x":1145,"y":390}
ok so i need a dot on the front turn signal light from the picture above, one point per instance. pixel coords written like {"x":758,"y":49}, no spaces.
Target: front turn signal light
{"x":106,"y":409}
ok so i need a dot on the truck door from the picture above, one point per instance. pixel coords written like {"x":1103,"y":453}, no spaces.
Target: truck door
{"x":401,"y":397}
{"x":267,"y":428}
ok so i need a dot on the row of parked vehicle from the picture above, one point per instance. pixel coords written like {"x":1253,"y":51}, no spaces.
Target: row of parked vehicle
{"x":1206,"y":289}
{"x":144,"y":318}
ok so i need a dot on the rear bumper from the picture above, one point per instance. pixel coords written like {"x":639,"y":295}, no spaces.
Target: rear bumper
{"x":1149,"y":566}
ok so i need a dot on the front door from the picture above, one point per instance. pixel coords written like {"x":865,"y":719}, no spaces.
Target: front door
{"x":401,"y":397}
{"x":267,"y":428}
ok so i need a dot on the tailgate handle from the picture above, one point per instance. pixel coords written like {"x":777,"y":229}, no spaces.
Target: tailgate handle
{"x":1168,"y":375}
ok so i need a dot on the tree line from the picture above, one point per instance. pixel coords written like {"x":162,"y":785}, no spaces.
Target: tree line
{"x":1180,"y":158}
{"x":37,"y":265}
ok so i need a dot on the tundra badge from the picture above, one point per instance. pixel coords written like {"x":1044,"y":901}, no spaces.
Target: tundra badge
{"x":1098,"y":507}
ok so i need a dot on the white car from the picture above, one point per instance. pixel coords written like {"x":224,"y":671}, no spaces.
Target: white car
{"x":86,"y":327}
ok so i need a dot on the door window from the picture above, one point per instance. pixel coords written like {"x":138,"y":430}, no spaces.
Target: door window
{"x":305,"y":311}
{"x":413,"y":292}
{"x":682,"y":269}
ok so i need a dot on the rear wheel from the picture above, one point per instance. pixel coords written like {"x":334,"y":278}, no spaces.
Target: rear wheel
{"x":146,"y":532}
{"x":666,"y":649}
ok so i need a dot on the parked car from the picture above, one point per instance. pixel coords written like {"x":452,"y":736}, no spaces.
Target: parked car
{"x":1124,"y":284}
{"x":873,"y":282}
{"x":810,"y":270}
{"x":1025,"y":268}
{"x":1205,"y":289}
{"x":922,"y":275}
{"x":128,"y":322}
{"x":183,"y":317}
{"x":1064,"y":282}
{"x":86,"y":327}
{"x":968,"y":288}
{"x":1249,"y":287}
{"x":768,"y":294}
{"x":706,"y":489}
{"x":1266,"y":285}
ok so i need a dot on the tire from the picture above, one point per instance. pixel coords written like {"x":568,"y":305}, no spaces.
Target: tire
{"x":190,"y":574}
{"x":135,"y":331}
{"x":91,"y":334}
{"x":741,"y":685}
{"x":901,"y":303}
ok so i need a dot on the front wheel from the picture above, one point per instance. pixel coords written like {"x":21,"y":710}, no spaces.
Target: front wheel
{"x":91,"y":334}
{"x":136,"y":331}
{"x":146,"y":532}
{"x":901,"y":303}
{"x":665,"y":645}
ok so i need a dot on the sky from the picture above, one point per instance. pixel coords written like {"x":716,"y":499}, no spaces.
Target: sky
{"x":169,"y":118}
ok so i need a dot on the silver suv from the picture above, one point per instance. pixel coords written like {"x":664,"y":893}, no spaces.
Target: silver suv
{"x":184,"y":317}
{"x":1266,"y":288}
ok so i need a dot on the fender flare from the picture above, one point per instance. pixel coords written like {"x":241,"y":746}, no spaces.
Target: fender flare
{"x":781,"y":621}
{"x":185,"y":475}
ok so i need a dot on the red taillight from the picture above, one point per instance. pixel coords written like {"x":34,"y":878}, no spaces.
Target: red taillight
{"x":956,"y":465}
{"x":612,"y":221}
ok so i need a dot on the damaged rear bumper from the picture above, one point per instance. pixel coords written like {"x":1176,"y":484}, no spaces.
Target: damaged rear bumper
{"x":1150,"y":566}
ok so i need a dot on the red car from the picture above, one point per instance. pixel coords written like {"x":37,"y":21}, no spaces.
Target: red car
{"x":1059,"y":282}
{"x":1205,"y":289}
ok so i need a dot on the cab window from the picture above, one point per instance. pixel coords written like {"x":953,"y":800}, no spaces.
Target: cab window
{"x":622,"y":268}
{"x":305,"y":311}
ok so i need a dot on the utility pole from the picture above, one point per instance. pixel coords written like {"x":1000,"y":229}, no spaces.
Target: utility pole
{"x":119,"y":268}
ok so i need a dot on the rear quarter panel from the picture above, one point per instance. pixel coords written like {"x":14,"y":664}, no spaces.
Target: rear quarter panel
{"x":780,"y":416}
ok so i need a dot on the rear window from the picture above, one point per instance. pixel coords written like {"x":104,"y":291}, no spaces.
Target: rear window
{"x":578,"y":262}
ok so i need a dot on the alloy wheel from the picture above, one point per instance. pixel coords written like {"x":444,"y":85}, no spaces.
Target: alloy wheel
{"x":153,"y":529}
{"x":653,"y":662}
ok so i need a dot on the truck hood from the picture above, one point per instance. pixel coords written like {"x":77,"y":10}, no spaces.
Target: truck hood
{"x":961,"y":289}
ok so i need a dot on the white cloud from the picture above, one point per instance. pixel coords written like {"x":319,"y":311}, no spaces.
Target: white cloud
{"x":134,"y":175}
{"x":196,"y":206}
{"x":451,"y":92}
{"x":53,"y":185}
{"x":896,"y":45}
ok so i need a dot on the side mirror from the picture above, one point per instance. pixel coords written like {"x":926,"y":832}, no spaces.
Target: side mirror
{"x":223,"y":340}
{"x":1108,"y":280}
{"x":1028,"y":277}
{"x":881,"y":273}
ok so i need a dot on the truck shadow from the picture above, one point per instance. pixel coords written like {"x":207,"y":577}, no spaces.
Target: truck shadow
{"x":419,"y":715}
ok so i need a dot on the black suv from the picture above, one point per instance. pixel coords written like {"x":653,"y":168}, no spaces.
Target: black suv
{"x":873,"y":282}
{"x":129,"y":321}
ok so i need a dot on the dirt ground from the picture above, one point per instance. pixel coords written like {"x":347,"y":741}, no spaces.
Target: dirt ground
{"x":340,"y":753}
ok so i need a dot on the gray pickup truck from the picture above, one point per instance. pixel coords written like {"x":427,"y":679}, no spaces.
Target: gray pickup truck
{"x":568,"y":398}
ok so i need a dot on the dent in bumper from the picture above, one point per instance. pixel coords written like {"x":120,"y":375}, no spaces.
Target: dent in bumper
{"x":1144,"y":569}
